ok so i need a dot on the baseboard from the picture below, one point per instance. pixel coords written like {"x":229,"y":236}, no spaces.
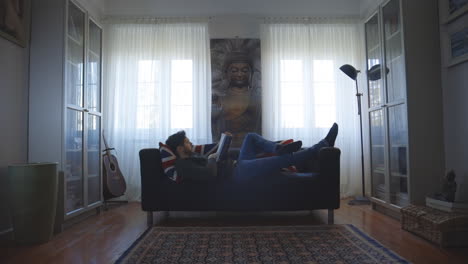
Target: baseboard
{"x":387,"y":211}
{"x":79,"y":218}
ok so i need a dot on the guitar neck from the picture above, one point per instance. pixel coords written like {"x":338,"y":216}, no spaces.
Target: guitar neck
{"x":107,"y":149}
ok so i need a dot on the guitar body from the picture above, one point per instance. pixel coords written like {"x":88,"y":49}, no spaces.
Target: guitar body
{"x":114,"y":182}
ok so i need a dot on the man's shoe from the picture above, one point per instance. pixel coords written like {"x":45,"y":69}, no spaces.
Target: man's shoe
{"x":289,"y":148}
{"x":331,"y":136}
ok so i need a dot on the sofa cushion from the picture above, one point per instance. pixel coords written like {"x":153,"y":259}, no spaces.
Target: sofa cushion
{"x":168,"y":159}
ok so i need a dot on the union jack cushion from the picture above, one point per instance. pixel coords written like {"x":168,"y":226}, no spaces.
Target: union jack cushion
{"x":168,"y":159}
{"x":281,"y":142}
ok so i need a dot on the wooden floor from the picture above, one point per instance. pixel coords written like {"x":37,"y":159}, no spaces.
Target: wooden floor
{"x":103,"y":238}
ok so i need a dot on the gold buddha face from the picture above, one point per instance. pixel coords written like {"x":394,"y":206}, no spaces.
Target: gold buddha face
{"x":239,"y":75}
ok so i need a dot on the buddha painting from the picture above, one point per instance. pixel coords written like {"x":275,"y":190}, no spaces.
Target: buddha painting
{"x":236,"y":102}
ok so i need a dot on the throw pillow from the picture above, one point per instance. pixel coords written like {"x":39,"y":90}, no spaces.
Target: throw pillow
{"x":168,"y":159}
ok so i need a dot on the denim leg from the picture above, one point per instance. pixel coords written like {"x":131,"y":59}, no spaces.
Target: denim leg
{"x":300,"y":157}
{"x":258,"y":168}
{"x":254,"y":144}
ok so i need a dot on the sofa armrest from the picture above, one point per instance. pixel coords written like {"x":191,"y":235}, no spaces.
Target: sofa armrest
{"x":151,"y":172}
{"x":329,"y":160}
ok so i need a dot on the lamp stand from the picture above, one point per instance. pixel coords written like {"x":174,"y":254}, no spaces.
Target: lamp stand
{"x":360,"y":200}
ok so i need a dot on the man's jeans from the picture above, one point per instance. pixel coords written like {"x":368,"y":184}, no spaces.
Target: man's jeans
{"x":249,"y":167}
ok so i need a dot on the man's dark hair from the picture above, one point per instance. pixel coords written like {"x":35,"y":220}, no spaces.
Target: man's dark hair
{"x":175,"y":140}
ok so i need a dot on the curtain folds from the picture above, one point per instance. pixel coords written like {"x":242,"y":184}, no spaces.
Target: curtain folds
{"x":157,"y":81}
{"x":304,"y":91}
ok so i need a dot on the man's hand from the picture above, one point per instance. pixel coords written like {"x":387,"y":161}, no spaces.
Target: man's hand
{"x":228,"y":133}
{"x":213,"y":156}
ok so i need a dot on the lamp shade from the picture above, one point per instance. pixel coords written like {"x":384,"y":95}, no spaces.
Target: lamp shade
{"x":350,"y":71}
{"x":374,"y":73}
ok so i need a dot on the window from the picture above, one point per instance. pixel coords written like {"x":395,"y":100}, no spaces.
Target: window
{"x":150,"y":94}
{"x":148,"y":108}
{"x":293,"y":76}
{"x":324,"y":93}
{"x":181,"y":94}
{"x":292,"y":94}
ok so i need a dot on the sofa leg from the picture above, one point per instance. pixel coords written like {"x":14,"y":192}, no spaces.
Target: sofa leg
{"x":149,"y":218}
{"x":331,"y":217}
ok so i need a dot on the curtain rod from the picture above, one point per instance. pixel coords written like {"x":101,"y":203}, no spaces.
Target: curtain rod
{"x":149,"y":19}
{"x":207,"y":19}
{"x":311,"y":19}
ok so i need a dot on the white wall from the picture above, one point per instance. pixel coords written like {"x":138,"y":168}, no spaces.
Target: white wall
{"x":13,"y":116}
{"x":455,"y":95}
{"x":455,"y":89}
{"x":232,"y":26}
{"x":455,"y":113}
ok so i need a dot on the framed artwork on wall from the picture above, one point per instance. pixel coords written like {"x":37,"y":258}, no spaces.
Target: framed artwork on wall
{"x":15,"y":17}
{"x":236,"y":88}
{"x":451,"y":9}
{"x":455,"y":41}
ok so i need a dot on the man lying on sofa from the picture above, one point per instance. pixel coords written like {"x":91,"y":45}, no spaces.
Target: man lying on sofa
{"x":194,"y":167}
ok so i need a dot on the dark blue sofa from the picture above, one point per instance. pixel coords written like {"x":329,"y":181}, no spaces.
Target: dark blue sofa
{"x":318,"y":188}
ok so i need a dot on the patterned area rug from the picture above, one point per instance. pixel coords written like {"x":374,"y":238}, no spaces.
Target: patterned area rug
{"x":258,"y":244}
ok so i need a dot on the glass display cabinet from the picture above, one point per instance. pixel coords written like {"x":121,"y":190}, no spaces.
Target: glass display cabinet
{"x":387,"y":105}
{"x":403,"y":89}
{"x":65,"y":102}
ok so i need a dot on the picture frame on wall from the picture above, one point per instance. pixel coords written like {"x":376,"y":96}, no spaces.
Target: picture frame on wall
{"x":15,"y":18}
{"x":452,"y":9}
{"x":455,"y":41}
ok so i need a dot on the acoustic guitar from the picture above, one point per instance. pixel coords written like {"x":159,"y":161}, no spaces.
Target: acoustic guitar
{"x":114,"y":182}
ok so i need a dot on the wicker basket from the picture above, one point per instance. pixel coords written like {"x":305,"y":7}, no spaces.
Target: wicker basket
{"x":443,"y":228}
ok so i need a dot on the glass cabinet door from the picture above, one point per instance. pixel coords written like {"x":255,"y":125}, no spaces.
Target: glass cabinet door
{"x":74,"y":129}
{"x":74,"y":198}
{"x":396,"y":94}
{"x":93,"y":88}
{"x":75,"y":56}
{"x":83,"y":118}
{"x":93,"y":105}
{"x":394,"y":59}
{"x":398,"y":130}
{"x":378,"y":164}
{"x":387,"y":106}
{"x":94,"y":158}
{"x":374,"y":61}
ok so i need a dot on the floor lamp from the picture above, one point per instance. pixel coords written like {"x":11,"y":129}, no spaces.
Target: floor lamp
{"x":352,"y":73}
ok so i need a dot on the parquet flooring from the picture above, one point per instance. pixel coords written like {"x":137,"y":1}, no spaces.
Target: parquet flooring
{"x":103,"y":238}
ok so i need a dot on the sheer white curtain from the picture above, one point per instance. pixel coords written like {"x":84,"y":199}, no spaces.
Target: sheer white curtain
{"x":304,"y":91}
{"x":157,"y":82}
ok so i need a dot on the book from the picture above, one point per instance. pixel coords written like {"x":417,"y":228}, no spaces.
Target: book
{"x":451,"y":207}
{"x":223,"y":147}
